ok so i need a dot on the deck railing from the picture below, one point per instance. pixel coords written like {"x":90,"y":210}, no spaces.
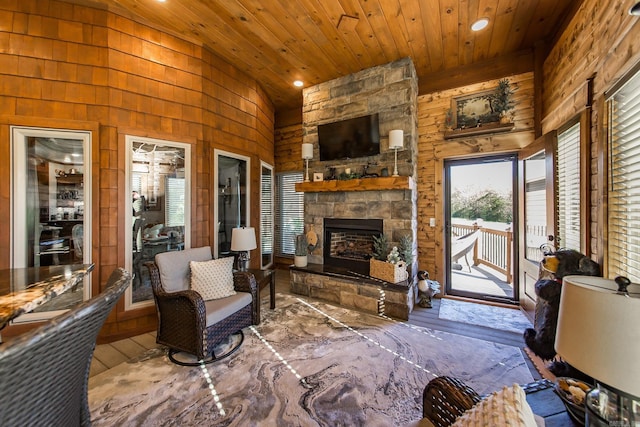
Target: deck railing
{"x":493,"y":247}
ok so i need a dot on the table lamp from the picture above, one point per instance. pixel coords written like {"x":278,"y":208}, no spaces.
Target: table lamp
{"x":243,"y":240}
{"x":396,"y":141}
{"x":307,"y":153}
{"x":598,"y":333}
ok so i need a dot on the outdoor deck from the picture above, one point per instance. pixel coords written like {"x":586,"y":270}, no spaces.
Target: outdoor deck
{"x":482,"y":279}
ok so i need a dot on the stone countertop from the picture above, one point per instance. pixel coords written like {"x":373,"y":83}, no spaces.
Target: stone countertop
{"x":24,"y":289}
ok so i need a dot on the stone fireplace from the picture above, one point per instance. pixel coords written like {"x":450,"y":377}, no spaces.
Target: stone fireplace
{"x":349,"y":242}
{"x":391,"y":91}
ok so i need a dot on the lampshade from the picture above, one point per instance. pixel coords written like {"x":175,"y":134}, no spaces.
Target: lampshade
{"x":307,"y":151}
{"x":243,"y":239}
{"x":396,"y":139}
{"x":598,"y":331}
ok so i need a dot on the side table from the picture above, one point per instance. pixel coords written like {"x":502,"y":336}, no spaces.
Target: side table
{"x":264,"y":278}
{"x":545,"y":402}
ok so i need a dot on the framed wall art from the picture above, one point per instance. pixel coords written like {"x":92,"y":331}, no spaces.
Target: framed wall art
{"x":471,"y":110}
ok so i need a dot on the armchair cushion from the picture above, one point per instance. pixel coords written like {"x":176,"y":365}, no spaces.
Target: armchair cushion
{"x":174,"y":267}
{"x":219,"y":309}
{"x":505,"y":407}
{"x":213,"y":279}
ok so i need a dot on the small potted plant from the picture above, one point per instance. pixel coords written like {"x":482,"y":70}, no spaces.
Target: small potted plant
{"x":302,"y":245}
{"x":386,"y":265}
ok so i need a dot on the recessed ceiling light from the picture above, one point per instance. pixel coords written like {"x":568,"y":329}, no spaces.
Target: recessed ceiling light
{"x":298,"y":83}
{"x":480,"y":24}
{"x":635,"y":9}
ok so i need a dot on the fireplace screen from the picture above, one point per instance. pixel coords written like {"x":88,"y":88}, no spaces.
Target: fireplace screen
{"x":351,"y":245}
{"x":350,"y":242}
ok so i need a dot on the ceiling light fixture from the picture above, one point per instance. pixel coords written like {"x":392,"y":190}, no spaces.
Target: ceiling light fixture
{"x":635,"y":9}
{"x":480,"y":24}
{"x":298,"y":83}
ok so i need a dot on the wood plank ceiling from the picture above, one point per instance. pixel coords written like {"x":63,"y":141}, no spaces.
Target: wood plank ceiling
{"x":279,"y":41}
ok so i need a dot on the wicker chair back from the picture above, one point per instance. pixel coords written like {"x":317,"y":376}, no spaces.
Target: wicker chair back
{"x":44,"y":373}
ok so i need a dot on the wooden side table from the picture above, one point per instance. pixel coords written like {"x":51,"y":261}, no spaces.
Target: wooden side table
{"x":264,"y":278}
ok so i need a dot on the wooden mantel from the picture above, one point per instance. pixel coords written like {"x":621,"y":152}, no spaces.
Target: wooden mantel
{"x":359,"y":184}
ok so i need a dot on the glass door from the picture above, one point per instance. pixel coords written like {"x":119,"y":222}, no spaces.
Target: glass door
{"x":538,"y":214}
{"x":51,"y":201}
{"x":480,"y":227}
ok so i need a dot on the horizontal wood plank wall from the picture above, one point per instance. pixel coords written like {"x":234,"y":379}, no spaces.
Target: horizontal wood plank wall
{"x":288,"y":158}
{"x":601,"y":41}
{"x":288,"y":142}
{"x":433,"y":149}
{"x":64,"y":65}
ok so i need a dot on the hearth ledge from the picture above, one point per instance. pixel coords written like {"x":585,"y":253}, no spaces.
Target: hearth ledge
{"x":366,"y":294}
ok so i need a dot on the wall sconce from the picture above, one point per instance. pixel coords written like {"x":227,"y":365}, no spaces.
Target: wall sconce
{"x":243,"y":240}
{"x":307,"y":153}
{"x":396,"y":141}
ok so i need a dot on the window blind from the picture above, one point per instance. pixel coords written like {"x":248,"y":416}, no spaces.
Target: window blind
{"x":174,"y":202}
{"x":266,"y":214}
{"x":623,"y":253}
{"x":289,"y":213}
{"x":568,"y":187}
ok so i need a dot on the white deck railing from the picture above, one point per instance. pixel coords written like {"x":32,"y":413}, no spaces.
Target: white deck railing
{"x":493,"y":248}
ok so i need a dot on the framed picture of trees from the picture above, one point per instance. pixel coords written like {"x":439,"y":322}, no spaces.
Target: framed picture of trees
{"x":481,"y":112}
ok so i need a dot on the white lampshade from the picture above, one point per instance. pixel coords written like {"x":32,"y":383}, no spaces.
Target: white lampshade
{"x":598,"y":331}
{"x":243,"y":239}
{"x":307,"y":151}
{"x":396,"y":139}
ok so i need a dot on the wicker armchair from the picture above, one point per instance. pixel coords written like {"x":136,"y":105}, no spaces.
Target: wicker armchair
{"x":44,"y":373}
{"x":445,"y":399}
{"x":187,"y":323}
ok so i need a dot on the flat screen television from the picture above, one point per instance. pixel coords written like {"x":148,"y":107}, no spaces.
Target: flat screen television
{"x":349,"y":139}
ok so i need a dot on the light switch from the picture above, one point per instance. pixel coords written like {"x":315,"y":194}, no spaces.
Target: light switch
{"x":432,"y":222}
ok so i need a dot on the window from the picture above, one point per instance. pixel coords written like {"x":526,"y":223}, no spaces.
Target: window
{"x":624,"y":181}
{"x":51,"y":207}
{"x":157,"y":195}
{"x":232,"y":192}
{"x":266,"y":215}
{"x":568,"y":182}
{"x":289,"y":213}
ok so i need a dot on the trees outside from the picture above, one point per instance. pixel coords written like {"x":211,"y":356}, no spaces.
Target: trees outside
{"x":487,"y":204}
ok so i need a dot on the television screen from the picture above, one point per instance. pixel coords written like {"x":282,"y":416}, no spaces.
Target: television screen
{"x":348,"y":139}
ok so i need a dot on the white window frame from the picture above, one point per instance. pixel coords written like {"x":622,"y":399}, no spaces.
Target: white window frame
{"x":216,"y":185}
{"x":127,"y":202}
{"x":19,"y":135}
{"x":281,"y":245}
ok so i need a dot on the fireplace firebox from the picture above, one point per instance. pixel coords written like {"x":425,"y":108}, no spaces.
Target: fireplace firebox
{"x":349,"y":242}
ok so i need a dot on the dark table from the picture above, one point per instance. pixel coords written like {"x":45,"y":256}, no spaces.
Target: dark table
{"x":546,"y":403}
{"x":264,"y":278}
{"x":24,"y":289}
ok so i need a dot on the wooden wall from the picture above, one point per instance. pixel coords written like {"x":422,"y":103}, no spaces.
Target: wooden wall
{"x":69,"y":66}
{"x":600,"y":43}
{"x":433,"y":149}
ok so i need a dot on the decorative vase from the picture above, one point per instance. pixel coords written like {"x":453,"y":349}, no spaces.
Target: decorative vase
{"x":300,"y":260}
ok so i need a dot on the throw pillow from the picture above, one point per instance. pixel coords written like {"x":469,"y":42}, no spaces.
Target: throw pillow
{"x":506,"y":407}
{"x":213,"y":279}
